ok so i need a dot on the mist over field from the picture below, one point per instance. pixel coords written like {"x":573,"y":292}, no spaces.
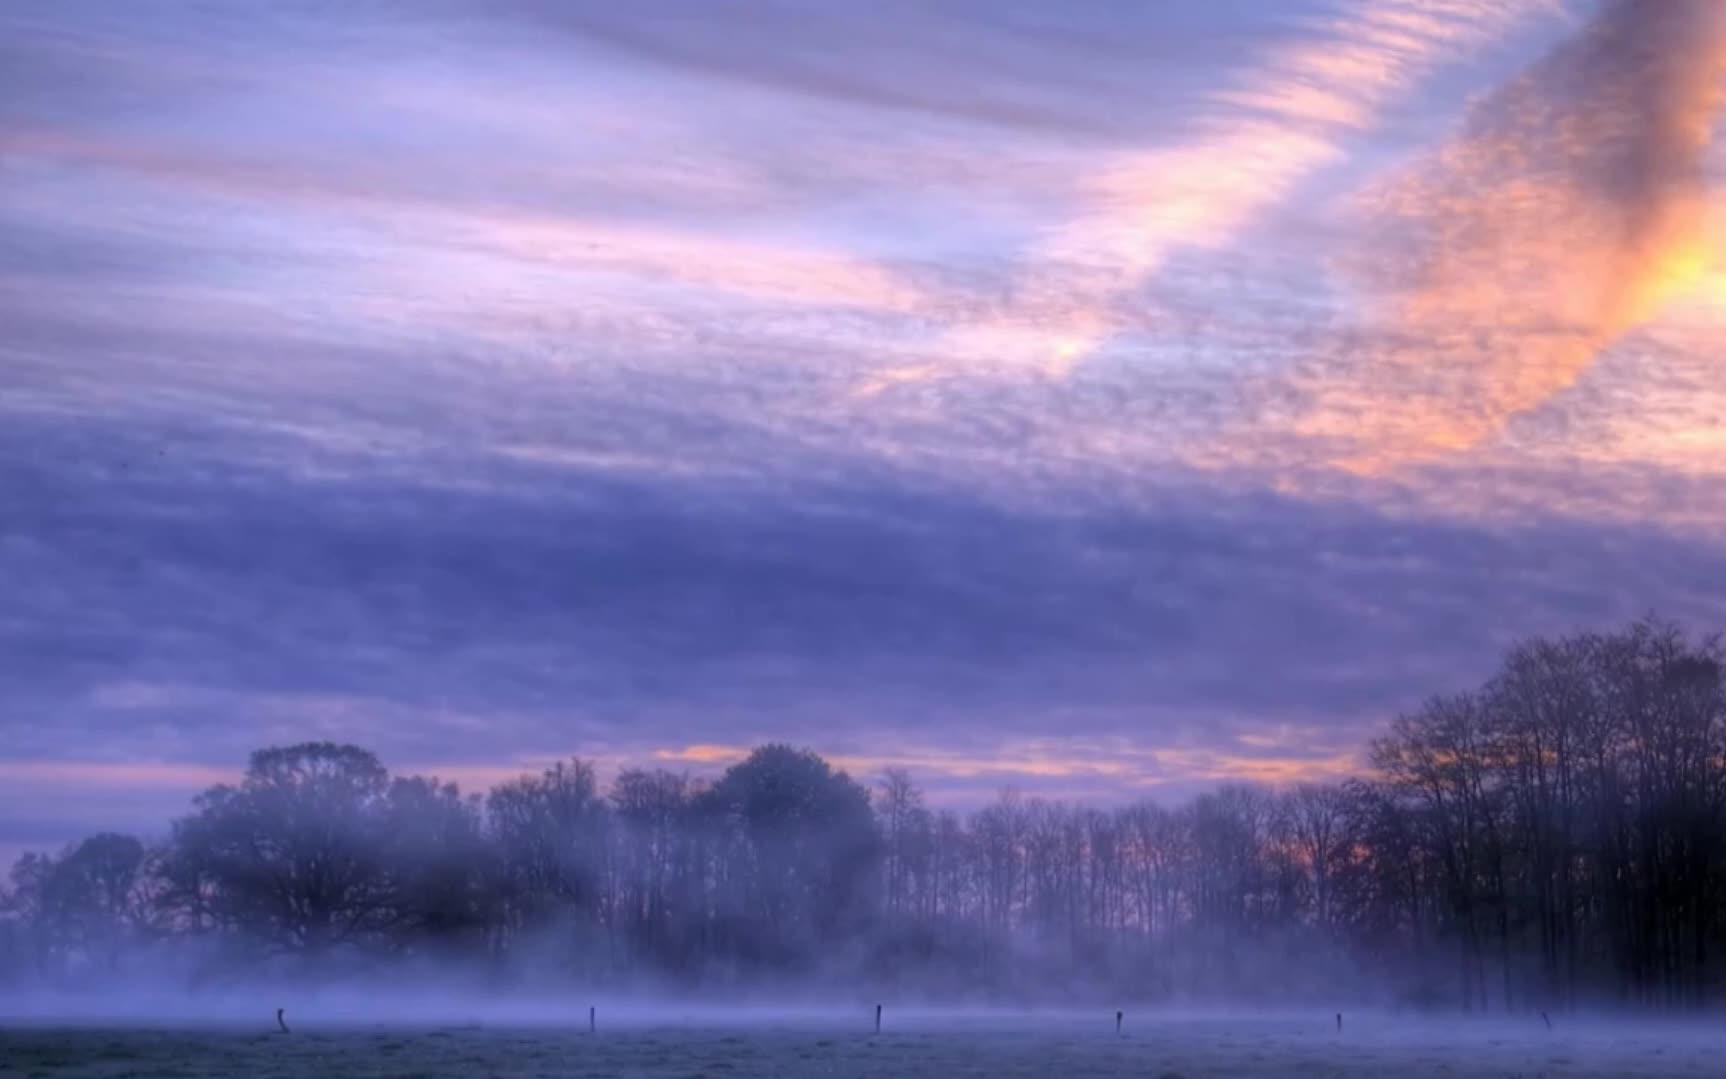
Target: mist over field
{"x":1547,"y":843}
{"x":669,"y":1043}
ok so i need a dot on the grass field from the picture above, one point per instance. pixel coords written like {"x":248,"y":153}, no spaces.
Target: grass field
{"x":999,"y":1047}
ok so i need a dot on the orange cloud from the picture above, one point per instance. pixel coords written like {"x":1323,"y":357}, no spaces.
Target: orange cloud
{"x":1209,"y":766}
{"x":1109,"y":764}
{"x":702,"y":754}
{"x":1570,"y":210}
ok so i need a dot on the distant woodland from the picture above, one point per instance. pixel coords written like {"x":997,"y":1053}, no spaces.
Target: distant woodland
{"x":1553,"y":838}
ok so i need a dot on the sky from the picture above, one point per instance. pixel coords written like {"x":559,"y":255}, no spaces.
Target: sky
{"x":1101,"y":399}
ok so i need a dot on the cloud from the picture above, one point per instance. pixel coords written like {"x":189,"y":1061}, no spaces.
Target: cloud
{"x":483,"y":390}
{"x":1255,"y":140}
{"x":1571,"y":208}
{"x":519,"y":607}
{"x":1013,"y":67}
{"x":45,"y":803}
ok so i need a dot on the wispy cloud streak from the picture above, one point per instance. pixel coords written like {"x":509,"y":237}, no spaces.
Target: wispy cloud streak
{"x":1257,"y":139}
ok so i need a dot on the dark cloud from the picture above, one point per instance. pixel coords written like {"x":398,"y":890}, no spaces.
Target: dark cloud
{"x":658,"y":611}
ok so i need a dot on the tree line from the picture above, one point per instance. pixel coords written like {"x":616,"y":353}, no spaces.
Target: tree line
{"x":1552,"y":838}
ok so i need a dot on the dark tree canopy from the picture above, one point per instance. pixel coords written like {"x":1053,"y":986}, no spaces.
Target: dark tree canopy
{"x":810,"y":850}
{"x":295,"y":854}
{"x":1553,"y":837}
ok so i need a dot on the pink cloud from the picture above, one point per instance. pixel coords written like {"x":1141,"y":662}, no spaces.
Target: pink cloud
{"x":1571,"y":209}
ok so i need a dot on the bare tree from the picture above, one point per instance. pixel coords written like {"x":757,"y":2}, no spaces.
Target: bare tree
{"x":1556,"y":836}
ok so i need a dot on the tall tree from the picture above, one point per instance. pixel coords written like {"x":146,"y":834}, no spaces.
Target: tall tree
{"x":294,"y":855}
{"x":806,"y":852}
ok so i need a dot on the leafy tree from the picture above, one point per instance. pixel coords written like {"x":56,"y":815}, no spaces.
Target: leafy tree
{"x":1555,"y":835}
{"x":438,"y":864}
{"x":295,"y":854}
{"x":806,"y":851}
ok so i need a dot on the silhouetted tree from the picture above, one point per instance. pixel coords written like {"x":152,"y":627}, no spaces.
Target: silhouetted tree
{"x":439,"y":869}
{"x":294,"y":855}
{"x":552,"y":836}
{"x":1555,"y":836}
{"x":801,"y":853}
{"x":83,"y":909}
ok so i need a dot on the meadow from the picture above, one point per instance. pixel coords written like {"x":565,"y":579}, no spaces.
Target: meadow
{"x":842,"y":1046}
